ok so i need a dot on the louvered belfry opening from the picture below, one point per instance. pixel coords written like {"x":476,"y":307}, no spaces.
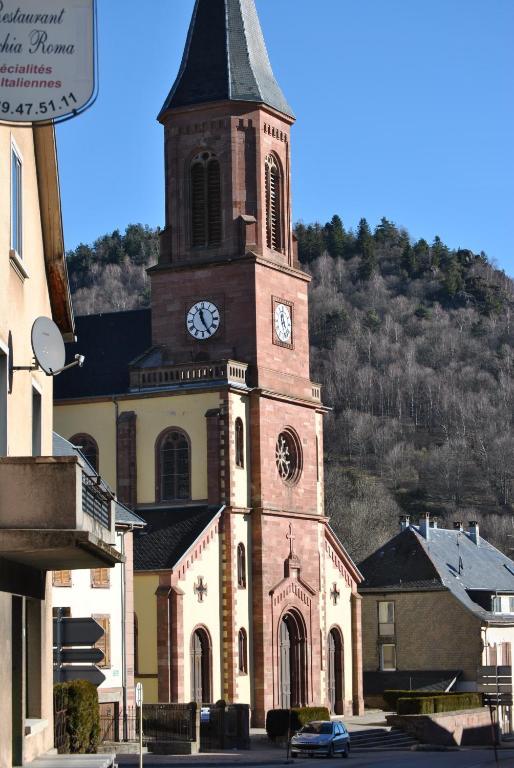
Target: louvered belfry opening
{"x":205,"y":201}
{"x":273,"y":204}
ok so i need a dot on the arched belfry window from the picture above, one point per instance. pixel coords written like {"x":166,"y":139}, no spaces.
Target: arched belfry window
{"x":240,"y":443}
{"x":173,"y":459}
{"x":205,"y":200}
{"x":88,"y":448}
{"x":241,"y":566}
{"x":273,"y":181}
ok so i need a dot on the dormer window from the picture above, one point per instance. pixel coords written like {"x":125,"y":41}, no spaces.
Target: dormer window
{"x":273,"y":182}
{"x":205,"y":201}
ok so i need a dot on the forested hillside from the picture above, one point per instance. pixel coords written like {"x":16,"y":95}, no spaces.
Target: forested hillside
{"x":414,"y":347}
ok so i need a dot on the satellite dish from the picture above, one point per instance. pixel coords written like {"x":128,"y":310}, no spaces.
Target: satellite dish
{"x":48,"y":346}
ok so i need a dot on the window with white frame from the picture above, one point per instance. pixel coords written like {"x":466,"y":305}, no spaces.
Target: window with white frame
{"x":386,"y":618}
{"x":388,"y":657}
{"x":3,"y":403}
{"x":16,"y":203}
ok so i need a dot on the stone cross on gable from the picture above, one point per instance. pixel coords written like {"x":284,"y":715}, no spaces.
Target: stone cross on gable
{"x":200,"y":589}
{"x":291,"y":538}
{"x":335,"y":593}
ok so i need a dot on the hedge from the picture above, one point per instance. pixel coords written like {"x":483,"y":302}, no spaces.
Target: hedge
{"x":80,"y":700}
{"x":391,"y":696}
{"x":429,"y":705}
{"x":278,"y":721}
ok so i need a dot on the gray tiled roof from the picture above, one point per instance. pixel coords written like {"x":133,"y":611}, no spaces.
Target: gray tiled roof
{"x":410,"y":561}
{"x":225,"y":58}
{"x":169,"y":533}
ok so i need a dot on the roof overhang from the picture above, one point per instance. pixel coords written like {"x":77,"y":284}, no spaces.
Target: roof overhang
{"x":51,"y":226}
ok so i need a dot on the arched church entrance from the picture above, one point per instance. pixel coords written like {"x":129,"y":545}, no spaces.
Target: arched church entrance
{"x":293,"y":661}
{"x":201,"y":666}
{"x":335,"y":671}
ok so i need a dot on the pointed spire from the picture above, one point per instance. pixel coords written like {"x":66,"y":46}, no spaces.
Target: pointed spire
{"x":225,"y":58}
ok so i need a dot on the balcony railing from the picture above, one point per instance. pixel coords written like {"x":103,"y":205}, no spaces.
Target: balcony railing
{"x":95,"y":502}
{"x":230,"y":371}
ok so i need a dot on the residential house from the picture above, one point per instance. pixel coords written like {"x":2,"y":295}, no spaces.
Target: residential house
{"x":437,"y":607}
{"x":46,"y":522}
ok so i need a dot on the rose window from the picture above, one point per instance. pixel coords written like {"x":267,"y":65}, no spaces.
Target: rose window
{"x":288,"y":456}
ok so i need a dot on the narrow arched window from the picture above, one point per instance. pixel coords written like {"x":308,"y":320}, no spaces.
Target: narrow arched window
{"x":240,"y":443}
{"x":88,"y":447}
{"x":173,"y":466}
{"x":273,"y":181}
{"x":243,"y":651}
{"x":205,"y":200}
{"x":241,"y":566}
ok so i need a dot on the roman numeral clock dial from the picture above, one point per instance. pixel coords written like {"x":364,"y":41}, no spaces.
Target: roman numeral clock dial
{"x":203,"y":320}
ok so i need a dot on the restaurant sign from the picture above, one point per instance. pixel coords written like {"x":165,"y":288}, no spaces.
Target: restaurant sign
{"x":47,"y":59}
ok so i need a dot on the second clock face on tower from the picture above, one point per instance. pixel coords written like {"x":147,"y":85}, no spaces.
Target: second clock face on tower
{"x":203,"y":320}
{"x":283,"y":323}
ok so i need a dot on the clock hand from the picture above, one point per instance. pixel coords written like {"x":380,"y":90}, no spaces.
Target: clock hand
{"x":200,"y":312}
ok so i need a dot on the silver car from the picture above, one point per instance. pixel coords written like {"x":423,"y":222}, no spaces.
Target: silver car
{"x":321,"y":737}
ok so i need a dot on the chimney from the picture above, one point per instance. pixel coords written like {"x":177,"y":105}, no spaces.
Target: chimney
{"x":474,"y":532}
{"x":434,"y":522}
{"x":404,"y":522}
{"x":458,"y":525}
{"x":424,"y":525}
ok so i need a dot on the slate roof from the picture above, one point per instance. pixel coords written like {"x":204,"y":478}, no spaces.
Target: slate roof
{"x":109,"y":342}
{"x":225,"y":58}
{"x":411,"y":562}
{"x":169,"y":533}
{"x":123,"y":515}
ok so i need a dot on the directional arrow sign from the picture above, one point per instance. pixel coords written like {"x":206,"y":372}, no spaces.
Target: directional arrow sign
{"x":92,"y":674}
{"x":82,"y":631}
{"x":78,"y":656}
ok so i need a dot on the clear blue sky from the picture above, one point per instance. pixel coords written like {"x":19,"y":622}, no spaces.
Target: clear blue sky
{"x":405,"y":109}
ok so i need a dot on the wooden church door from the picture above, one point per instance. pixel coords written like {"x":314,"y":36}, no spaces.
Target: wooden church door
{"x":285,"y":666}
{"x":196,"y":668}
{"x":200,"y":667}
{"x":335,"y":671}
{"x":331,"y":672}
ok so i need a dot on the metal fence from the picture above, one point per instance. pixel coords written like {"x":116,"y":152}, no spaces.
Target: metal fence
{"x":60,"y":717}
{"x":161,"y":722}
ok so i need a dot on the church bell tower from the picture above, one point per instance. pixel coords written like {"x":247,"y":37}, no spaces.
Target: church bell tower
{"x":228,"y":294}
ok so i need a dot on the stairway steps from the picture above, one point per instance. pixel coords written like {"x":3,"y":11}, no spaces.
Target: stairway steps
{"x":381,"y":739}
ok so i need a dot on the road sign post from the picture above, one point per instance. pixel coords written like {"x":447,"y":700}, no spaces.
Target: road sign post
{"x":139,"y":703}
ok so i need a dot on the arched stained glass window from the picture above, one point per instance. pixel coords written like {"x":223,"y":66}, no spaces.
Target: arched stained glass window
{"x":273,"y":182}
{"x":205,"y":200}
{"x":88,"y":448}
{"x":173,"y":465}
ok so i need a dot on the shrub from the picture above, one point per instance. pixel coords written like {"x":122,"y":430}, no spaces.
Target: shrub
{"x":80,"y":699}
{"x":278,"y":721}
{"x":428,"y":705}
{"x":391,"y":696}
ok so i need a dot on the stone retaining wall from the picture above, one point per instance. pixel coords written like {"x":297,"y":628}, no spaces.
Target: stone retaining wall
{"x":463,"y":728}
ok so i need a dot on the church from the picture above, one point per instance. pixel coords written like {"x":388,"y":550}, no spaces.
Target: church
{"x":201,"y":413}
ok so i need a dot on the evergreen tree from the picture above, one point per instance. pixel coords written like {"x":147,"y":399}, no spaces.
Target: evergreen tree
{"x":336,"y":237}
{"x":408,"y":260}
{"x":386,"y":232}
{"x":366,"y":248}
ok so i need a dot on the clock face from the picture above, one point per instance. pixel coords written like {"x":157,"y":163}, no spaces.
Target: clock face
{"x":283,"y":324}
{"x":203,"y":320}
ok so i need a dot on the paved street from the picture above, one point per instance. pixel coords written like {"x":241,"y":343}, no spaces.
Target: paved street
{"x":468,"y":758}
